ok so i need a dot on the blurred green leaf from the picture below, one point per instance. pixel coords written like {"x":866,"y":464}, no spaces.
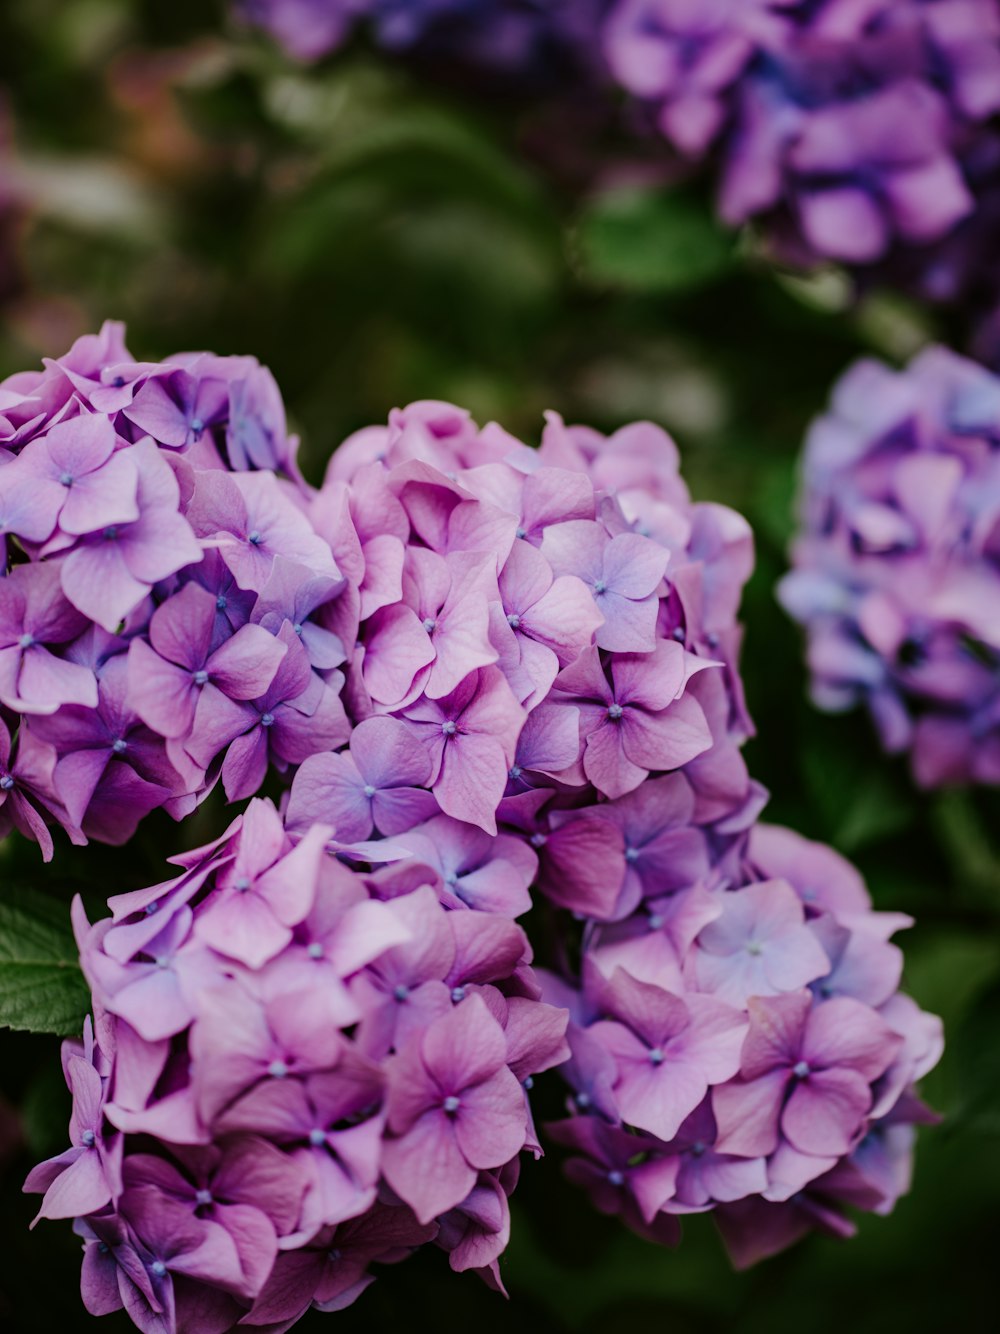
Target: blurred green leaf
{"x":662,"y":242}
{"x":41,"y":986}
{"x":977,"y":1055}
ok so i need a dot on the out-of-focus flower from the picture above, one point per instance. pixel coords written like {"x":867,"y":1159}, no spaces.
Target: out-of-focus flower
{"x":850,"y":130}
{"x":896,"y":573}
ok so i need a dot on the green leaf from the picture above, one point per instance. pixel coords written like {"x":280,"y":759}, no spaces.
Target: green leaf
{"x":977,"y":1055}
{"x":662,"y":242}
{"x":42,"y":989}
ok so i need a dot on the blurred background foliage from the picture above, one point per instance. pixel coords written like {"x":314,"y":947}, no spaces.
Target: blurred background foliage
{"x":376,"y":240}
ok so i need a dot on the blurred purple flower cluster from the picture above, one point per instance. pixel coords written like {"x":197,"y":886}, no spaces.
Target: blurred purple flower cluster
{"x":161,"y":617}
{"x":739,"y":1046}
{"x":292,"y":1076}
{"x":897,"y":567}
{"x":519,"y":37}
{"x":852,"y":127}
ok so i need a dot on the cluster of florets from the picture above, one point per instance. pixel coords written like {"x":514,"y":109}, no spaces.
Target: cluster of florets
{"x":294,"y":1073}
{"x":162,"y":614}
{"x":741,"y":1048}
{"x":850,"y":128}
{"x":520,"y":37}
{"x":539,"y":633}
{"x":897,"y":565}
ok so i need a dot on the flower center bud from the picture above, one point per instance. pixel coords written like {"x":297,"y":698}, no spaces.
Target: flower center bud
{"x":200,"y":678}
{"x":515,"y":771}
{"x":26,"y":641}
{"x":317,"y":1138}
{"x":197,"y":425}
{"x":582,"y":1100}
{"x":514,"y":621}
{"x":369,"y":791}
{"x":254,"y":538}
{"x":754,"y":947}
{"x":451,"y":1104}
{"x":656,"y":1056}
{"x":66,"y":479}
{"x":801,"y":1070}
{"x":631,"y":855}
{"x":538,"y":840}
{"x":401,"y":992}
{"x":616,"y":1178}
{"x":522,"y":532}
{"x":528,"y":1083}
{"x":449,"y":728}
{"x":151,"y":908}
{"x":110,"y":534}
{"x":6,"y":783}
{"x":242,"y":884}
{"x":430,"y":624}
{"x":158,"y":1268}
{"x":600,"y":587}
{"x":698,"y":1148}
{"x":679,"y":634}
{"x":457,"y":994}
{"x":221,"y":602}
{"x":87,"y":1139}
{"x":315,"y":950}
{"x":655,"y":922}
{"x":277,"y":1069}
{"x":119,"y":745}
{"x":451,"y":879}
{"x":297,"y":629}
{"x":203,"y":1198}
{"x":615,"y":712}
{"x":267,"y":720}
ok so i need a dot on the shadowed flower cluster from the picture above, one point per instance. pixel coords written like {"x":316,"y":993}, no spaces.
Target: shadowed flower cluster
{"x":897,"y":566}
{"x":526,"y":38}
{"x":293,"y":1074}
{"x":740,"y":1047}
{"x":851,"y":129}
{"x":161,"y":618}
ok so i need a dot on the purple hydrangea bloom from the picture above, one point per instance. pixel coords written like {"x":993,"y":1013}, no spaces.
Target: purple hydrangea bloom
{"x":741,"y":1089}
{"x":895,"y":568}
{"x":248,"y":1133}
{"x":138,"y":532}
{"x":850,"y":130}
{"x":524,"y":39}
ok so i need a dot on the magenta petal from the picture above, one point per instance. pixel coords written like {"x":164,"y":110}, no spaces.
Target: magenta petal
{"x":491,"y":1122}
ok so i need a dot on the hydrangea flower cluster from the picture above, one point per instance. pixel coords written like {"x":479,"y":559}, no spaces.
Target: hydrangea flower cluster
{"x":897,"y":565}
{"x":851,"y":128}
{"x":162,"y":618}
{"x":293,"y":1074}
{"x":522,"y":37}
{"x":740,"y":1047}
{"x":539,"y":632}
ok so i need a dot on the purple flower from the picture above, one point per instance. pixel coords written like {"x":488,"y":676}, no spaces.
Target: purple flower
{"x":253,"y":522}
{"x":806,"y":1076}
{"x":108,"y":574}
{"x":177,"y":685}
{"x":470,"y":736}
{"x":760,"y":945}
{"x":35,"y":617}
{"x":637,"y":721}
{"x":894,"y":567}
{"x":80,"y":478}
{"x":668,"y":1051}
{"x":453,"y":1108}
{"x":376,"y":784}
{"x":623,"y":574}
